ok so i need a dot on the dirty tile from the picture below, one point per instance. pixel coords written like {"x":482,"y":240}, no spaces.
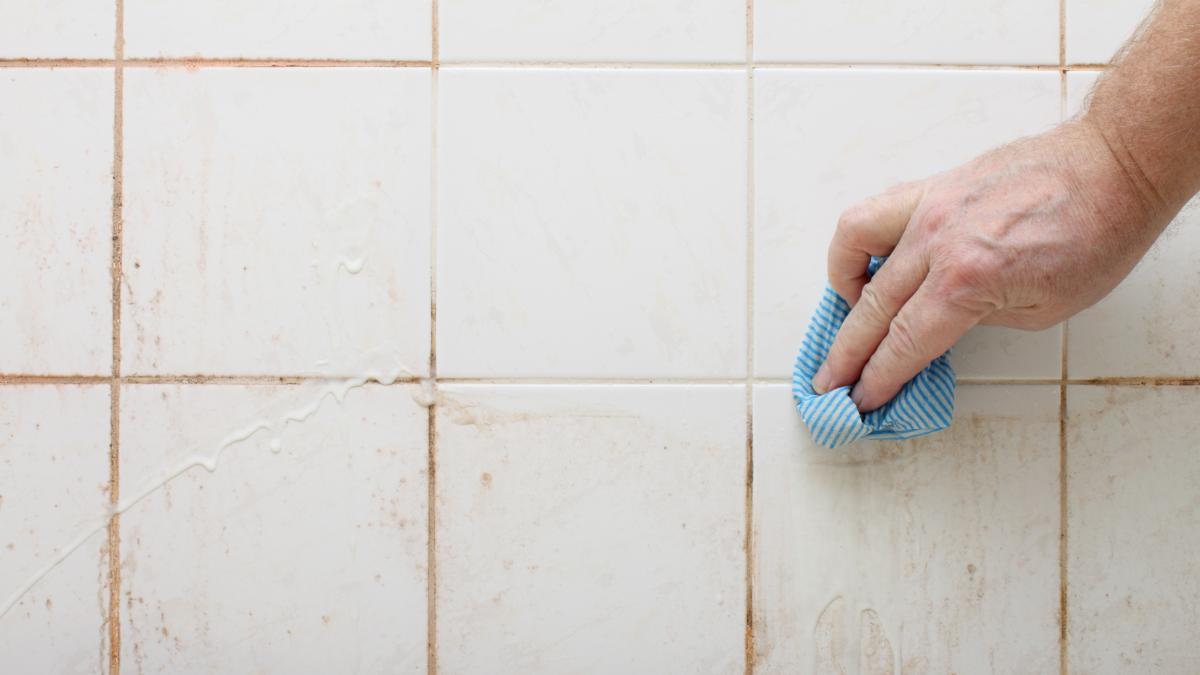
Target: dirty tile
{"x":351,"y":29}
{"x":592,"y":224}
{"x":1133,"y":529}
{"x":591,"y":529}
{"x":930,"y":556}
{"x":62,"y":29}
{"x":1147,"y":325}
{"x":303,"y":551}
{"x":592,"y":30}
{"x":53,"y":497}
{"x":1096,"y":29}
{"x":55,"y":221}
{"x":269,"y":230}
{"x":825,"y":139}
{"x":879,"y":31}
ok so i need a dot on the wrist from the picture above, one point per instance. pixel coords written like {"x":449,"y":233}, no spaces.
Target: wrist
{"x":1162,"y":180}
{"x":1131,"y":167}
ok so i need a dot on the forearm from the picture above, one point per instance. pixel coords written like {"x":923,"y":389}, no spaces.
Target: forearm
{"x":1148,"y":106}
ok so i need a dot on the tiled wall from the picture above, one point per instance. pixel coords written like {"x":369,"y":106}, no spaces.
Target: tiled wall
{"x":453,"y":337}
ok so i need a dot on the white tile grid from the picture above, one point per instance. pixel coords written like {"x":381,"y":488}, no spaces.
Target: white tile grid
{"x":550,"y":55}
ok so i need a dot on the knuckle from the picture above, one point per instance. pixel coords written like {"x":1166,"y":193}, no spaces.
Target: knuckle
{"x":903,"y":339}
{"x":970,"y":269}
{"x":873,"y":305}
{"x":853,"y":222}
{"x":934,"y":215}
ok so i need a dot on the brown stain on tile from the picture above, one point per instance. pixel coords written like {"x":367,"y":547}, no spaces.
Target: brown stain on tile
{"x":827,"y":638}
{"x":875,"y":651}
{"x":485,"y":479}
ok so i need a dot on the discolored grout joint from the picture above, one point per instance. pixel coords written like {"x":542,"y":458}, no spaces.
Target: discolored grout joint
{"x":194,"y":63}
{"x":431,"y":617}
{"x":117,"y":254}
{"x":749,"y":656}
{"x":18,"y":379}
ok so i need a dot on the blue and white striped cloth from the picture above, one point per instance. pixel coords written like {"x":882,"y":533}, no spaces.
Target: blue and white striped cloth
{"x":924,"y":405}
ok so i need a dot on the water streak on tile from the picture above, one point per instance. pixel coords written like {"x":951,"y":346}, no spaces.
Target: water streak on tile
{"x":273,"y":420}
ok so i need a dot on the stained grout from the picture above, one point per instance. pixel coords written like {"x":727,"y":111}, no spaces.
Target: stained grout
{"x":242,"y":379}
{"x":196,"y":63}
{"x":117,"y":255}
{"x":431,"y":617}
{"x":749,"y":543}
{"x":1062,"y":391}
{"x":22,"y":379}
{"x":276,"y":63}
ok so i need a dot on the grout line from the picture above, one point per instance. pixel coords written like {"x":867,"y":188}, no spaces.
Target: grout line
{"x":585,"y":65}
{"x":1062,"y":33}
{"x":196,"y":63}
{"x":245,"y":379}
{"x":274,"y":63}
{"x":1063,"y":515}
{"x":431,"y":665}
{"x":1062,"y":390}
{"x":21,"y":379}
{"x":55,"y":63}
{"x":1063,"y":511}
{"x":749,"y":543}
{"x":117,"y":253}
{"x":555,"y":381}
{"x":431,"y":544}
{"x":883,"y":65}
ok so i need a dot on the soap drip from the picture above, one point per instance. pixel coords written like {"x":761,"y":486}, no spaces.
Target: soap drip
{"x":377,"y":368}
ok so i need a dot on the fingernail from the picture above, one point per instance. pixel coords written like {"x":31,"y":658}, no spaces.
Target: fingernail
{"x":822,"y":379}
{"x":857,"y":395}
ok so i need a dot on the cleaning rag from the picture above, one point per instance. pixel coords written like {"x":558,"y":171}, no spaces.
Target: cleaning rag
{"x":924,"y":405}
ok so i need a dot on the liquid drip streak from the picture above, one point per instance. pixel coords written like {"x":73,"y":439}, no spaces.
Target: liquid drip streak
{"x":336,"y":390}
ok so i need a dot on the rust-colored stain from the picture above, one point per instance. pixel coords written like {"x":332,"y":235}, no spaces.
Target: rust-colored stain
{"x":485,"y":479}
{"x":114,"y":454}
{"x":431,"y":538}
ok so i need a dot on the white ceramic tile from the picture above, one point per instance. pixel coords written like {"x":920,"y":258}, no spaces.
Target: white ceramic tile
{"x":1133,"y":529}
{"x":880,"y":31}
{"x":60,"y":29}
{"x":592,"y":30}
{"x":351,"y":29}
{"x":592,"y":223}
{"x":1096,"y":29}
{"x":1147,"y":325}
{"x":276,"y":221}
{"x":53,"y":492}
{"x":308,"y":559}
{"x":931,"y":556}
{"x":591,"y":529}
{"x":56,"y":139}
{"x":825,"y":139}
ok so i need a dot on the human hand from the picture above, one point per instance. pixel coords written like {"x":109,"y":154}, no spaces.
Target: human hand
{"x":1024,"y":236}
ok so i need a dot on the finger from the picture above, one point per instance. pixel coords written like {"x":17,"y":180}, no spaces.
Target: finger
{"x":867,"y":323}
{"x":871,"y":228}
{"x":923,"y":330}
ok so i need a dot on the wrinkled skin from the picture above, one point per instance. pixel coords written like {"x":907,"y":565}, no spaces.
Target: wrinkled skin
{"x":1023,"y":236}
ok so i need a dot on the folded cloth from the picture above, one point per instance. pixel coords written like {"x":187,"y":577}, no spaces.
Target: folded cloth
{"x":924,"y":405}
